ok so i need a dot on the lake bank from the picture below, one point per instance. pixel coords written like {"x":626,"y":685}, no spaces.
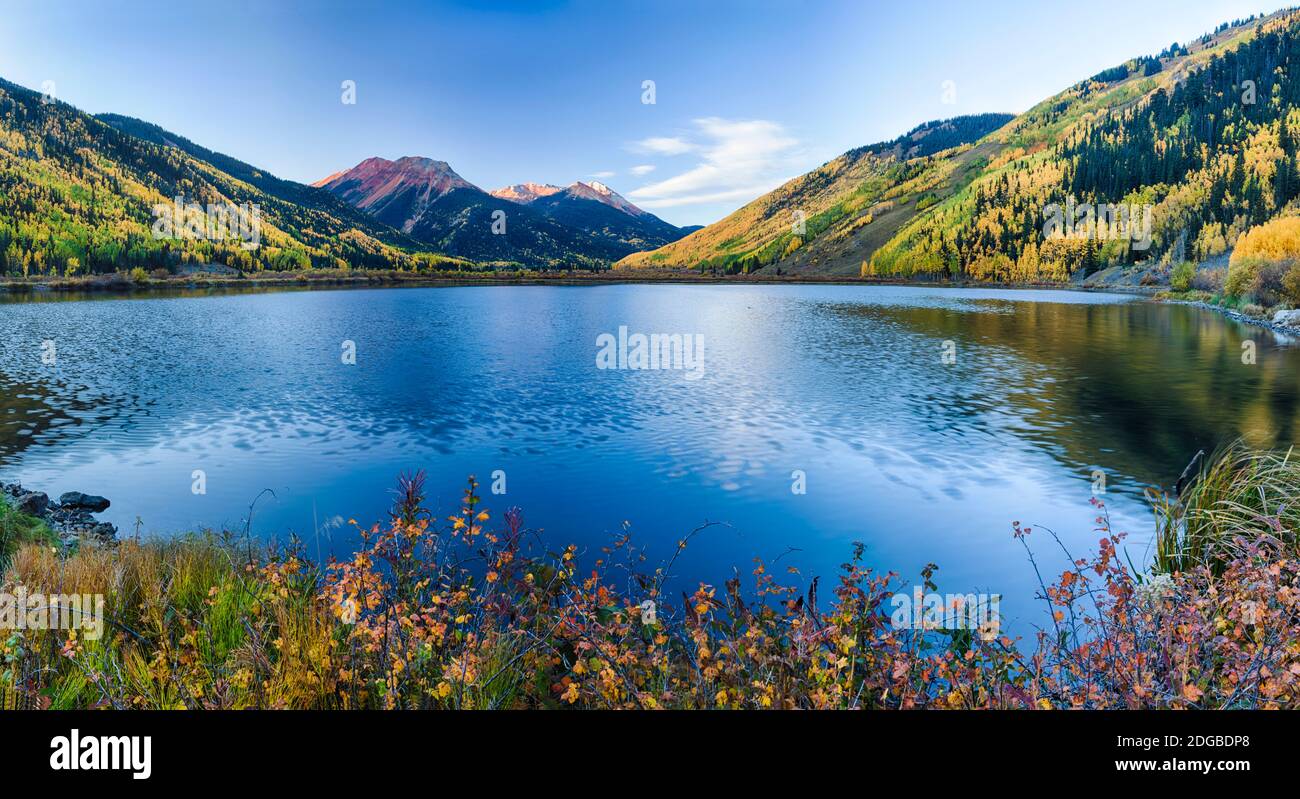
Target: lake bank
{"x":69,"y":520}
{"x":123,"y":284}
{"x":1290,"y":331}
{"x":206,"y":622}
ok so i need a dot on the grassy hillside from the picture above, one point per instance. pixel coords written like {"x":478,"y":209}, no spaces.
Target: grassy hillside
{"x":859,"y":194}
{"x":78,"y":196}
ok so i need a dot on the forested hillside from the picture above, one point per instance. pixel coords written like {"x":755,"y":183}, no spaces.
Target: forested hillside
{"x":1167,"y":158}
{"x":938,"y":135}
{"x":1199,"y":136}
{"x":78,"y":196}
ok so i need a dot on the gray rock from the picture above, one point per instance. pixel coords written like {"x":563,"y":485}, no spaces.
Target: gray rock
{"x":1288,"y":318}
{"x":90,"y":502}
{"x":104,"y":531}
{"x":33,"y":503}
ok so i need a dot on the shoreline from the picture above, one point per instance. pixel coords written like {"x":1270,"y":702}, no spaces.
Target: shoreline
{"x":121,"y":286}
{"x":118,"y":284}
{"x":71,"y":518}
{"x":1233,"y":315}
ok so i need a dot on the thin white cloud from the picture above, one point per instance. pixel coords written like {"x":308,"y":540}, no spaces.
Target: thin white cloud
{"x":740,"y":160}
{"x":663,"y":145}
{"x":643,"y":169}
{"x":604,"y":174}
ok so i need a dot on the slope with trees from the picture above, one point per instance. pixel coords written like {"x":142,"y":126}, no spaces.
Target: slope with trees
{"x":78,"y":195}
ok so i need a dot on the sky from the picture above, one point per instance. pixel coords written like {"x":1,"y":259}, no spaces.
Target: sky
{"x":746,"y":93}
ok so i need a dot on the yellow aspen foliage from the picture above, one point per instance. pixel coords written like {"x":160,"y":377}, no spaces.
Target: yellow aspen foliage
{"x":1278,"y":240}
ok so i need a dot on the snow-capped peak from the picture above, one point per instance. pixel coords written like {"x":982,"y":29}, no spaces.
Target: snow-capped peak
{"x":595,"y":190}
{"x":526,"y":192}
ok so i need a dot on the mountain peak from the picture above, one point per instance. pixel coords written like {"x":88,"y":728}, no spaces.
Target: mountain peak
{"x":595,"y":190}
{"x":525,"y":192}
{"x":397,"y":191}
{"x":421,"y":163}
{"x":409,"y":169}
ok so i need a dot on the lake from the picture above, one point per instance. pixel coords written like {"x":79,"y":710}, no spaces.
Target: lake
{"x":920,"y":421}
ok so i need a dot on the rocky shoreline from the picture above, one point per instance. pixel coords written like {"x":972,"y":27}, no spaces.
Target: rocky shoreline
{"x":1284,"y":323}
{"x":71,"y":518}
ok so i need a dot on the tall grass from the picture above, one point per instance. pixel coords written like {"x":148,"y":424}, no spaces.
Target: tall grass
{"x":17,"y":529}
{"x":1239,"y":497}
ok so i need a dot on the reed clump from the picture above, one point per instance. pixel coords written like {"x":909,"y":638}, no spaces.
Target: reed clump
{"x":1239,"y":496}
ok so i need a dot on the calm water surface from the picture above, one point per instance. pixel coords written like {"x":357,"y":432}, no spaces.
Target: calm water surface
{"x":922,"y":461}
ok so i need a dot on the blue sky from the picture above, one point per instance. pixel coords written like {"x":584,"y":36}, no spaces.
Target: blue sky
{"x":747,"y":94}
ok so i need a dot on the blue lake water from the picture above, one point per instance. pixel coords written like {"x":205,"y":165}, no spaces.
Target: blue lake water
{"x":922,"y":458}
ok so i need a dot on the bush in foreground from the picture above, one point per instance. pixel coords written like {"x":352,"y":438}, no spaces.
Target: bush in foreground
{"x":456,"y":613}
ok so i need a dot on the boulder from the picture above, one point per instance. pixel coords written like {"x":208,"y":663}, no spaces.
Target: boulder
{"x":1287,"y":318}
{"x":104,"y":531}
{"x":90,"y":502}
{"x":32,"y":503}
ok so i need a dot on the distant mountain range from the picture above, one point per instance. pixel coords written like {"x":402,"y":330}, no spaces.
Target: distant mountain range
{"x":602,"y":213}
{"x":526,"y":192}
{"x":427,"y":200}
{"x":583,"y":225}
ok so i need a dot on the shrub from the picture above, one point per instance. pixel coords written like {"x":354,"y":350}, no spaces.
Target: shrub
{"x":1209,"y":280}
{"x":139,"y":275}
{"x":1181,"y":278}
{"x":1268,"y":288}
{"x":1241,"y":274}
{"x":1258,"y":280}
{"x":1291,"y":285}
